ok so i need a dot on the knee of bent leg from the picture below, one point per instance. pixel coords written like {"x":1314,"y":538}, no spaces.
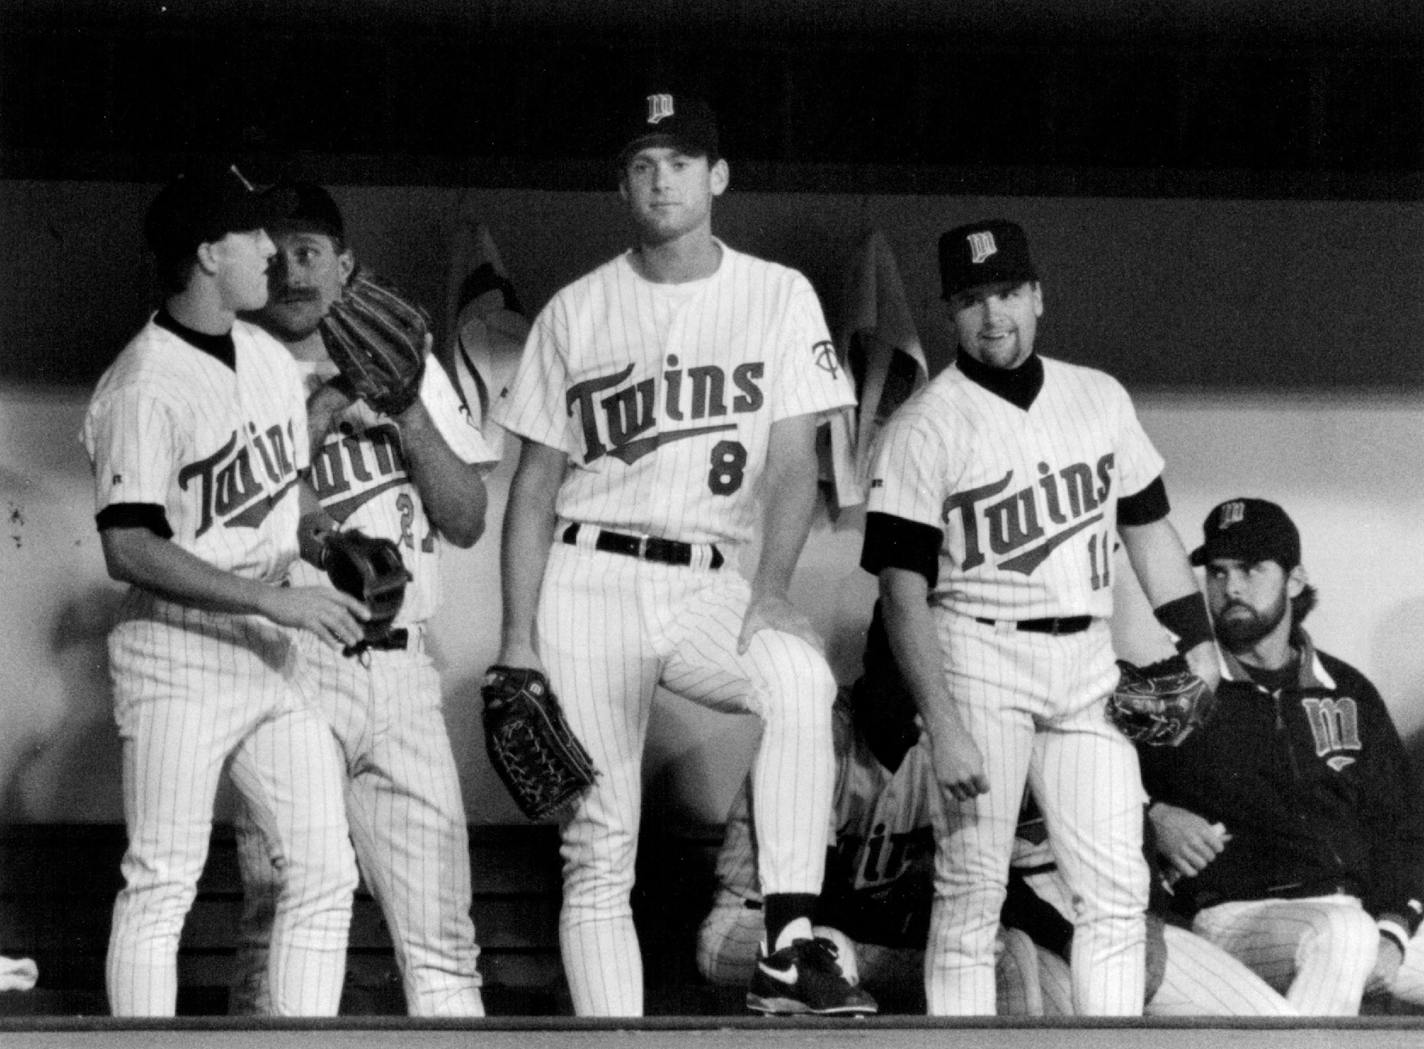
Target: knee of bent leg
{"x":797,"y":686}
{"x":1346,"y":934}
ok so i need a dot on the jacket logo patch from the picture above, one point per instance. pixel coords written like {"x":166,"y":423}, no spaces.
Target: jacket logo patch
{"x":1335,"y":726}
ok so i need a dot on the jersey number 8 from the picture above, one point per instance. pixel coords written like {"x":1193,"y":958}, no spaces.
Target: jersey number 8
{"x":729,"y":464}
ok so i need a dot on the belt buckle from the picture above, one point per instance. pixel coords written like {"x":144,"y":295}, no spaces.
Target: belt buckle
{"x":1055,"y":627}
{"x":642,"y":548}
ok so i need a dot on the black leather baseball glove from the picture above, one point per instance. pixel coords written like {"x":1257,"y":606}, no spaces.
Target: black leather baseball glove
{"x":1160,"y":704}
{"x":370,"y":569}
{"x":377,"y":339}
{"x":530,"y":745}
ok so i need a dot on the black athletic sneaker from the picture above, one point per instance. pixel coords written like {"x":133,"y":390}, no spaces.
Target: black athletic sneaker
{"x":805,"y":978}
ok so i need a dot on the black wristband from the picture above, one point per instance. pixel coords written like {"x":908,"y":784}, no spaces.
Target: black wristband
{"x":1186,"y":617}
{"x":1393,"y":936}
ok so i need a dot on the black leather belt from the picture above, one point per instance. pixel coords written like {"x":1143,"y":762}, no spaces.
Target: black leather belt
{"x":395,"y":641}
{"x":1065,"y":625}
{"x":644,"y":547}
{"x":1037,"y":868}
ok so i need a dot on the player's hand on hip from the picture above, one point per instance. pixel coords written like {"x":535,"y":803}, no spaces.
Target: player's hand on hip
{"x":958,"y":765}
{"x":1187,"y":841}
{"x":771,"y":611}
{"x":1205,"y":662}
{"x":335,"y":618}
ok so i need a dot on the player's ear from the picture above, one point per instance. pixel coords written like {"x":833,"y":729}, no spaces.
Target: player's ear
{"x":1296,"y":582}
{"x":207,"y":255}
{"x":1037,"y":291}
{"x":345,"y":265}
{"x":720,"y":176}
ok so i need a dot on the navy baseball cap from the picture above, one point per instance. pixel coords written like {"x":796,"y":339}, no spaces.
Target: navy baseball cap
{"x":307,"y":207}
{"x":992,"y":251}
{"x":1249,"y":530}
{"x":684,"y":122}
{"x":205,"y":206}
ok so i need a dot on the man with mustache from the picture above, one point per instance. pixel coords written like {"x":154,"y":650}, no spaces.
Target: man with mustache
{"x":1292,"y":818}
{"x":416,"y":479}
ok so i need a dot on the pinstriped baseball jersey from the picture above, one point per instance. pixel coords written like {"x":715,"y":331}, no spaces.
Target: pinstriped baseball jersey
{"x":218,"y":449}
{"x":618,"y":367}
{"x":198,"y":691}
{"x":360,"y":475}
{"x":1027,"y":500}
{"x":883,"y":824}
{"x":403,"y":800}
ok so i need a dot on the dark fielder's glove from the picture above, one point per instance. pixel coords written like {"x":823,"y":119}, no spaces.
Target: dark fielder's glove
{"x":370,"y":569}
{"x":376,"y":337}
{"x":530,"y":745}
{"x":1160,"y":704}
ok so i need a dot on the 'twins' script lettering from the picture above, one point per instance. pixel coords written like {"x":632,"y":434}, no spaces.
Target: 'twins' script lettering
{"x":614,"y":414}
{"x":1024,"y":527}
{"x":230,"y":491}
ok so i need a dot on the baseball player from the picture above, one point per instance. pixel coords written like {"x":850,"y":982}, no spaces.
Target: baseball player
{"x":415,"y":479}
{"x":1293,"y":816}
{"x":197,"y":434}
{"x":667,"y":404}
{"x":1186,"y":975}
{"x":876,"y":898}
{"x":995,"y":498}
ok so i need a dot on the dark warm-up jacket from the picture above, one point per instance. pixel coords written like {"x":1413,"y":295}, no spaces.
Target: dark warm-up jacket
{"x":1314,"y":786}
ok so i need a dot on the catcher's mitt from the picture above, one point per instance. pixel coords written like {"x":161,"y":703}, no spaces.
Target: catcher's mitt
{"x":540,"y":760}
{"x":1160,"y":704}
{"x":377,"y":338}
{"x":370,"y":569}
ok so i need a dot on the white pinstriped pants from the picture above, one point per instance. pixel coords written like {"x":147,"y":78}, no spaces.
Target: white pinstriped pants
{"x":1035,"y":706}
{"x":1318,"y":951}
{"x":195,"y":692}
{"x":407,"y":821}
{"x":1198,"y":977}
{"x":611,"y":628}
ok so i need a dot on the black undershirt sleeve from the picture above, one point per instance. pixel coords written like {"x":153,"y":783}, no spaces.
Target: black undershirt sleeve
{"x":894,"y":542}
{"x":135,"y":515}
{"x":1145,"y":506}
